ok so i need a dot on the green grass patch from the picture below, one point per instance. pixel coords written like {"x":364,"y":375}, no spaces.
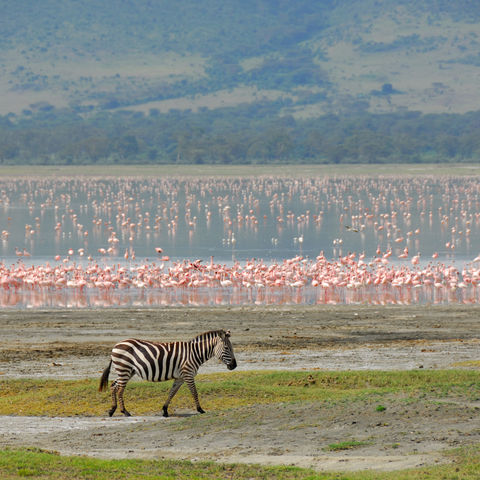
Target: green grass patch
{"x":345,"y":445}
{"x":234,"y":389}
{"x":38,"y":464}
{"x":467,"y":364}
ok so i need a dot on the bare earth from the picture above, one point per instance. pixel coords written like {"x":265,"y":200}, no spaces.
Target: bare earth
{"x":76,"y":344}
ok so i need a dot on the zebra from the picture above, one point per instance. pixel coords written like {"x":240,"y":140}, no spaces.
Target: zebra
{"x":163,"y":361}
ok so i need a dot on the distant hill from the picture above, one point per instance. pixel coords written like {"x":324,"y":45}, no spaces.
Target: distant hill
{"x":322,"y":57}
{"x":224,"y":81}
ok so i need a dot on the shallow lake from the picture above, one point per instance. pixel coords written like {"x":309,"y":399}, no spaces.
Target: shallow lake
{"x":113,"y":221}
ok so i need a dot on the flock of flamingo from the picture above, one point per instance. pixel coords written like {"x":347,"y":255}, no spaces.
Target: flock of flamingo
{"x":87,"y":241}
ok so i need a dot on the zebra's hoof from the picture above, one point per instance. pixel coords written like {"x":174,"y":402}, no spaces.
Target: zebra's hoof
{"x":111,"y":411}
{"x":127,"y":414}
{"x":165,"y":412}
{"x":200,"y":410}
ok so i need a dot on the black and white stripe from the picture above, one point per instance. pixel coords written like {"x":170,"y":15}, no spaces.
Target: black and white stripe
{"x":157,"y":362}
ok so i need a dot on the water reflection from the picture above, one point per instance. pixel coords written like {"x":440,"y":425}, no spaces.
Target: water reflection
{"x":231,"y":297}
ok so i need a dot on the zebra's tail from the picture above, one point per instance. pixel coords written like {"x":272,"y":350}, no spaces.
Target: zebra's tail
{"x":104,"y":380}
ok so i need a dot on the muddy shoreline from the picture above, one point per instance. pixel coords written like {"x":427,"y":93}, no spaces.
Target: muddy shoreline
{"x":76,"y":344}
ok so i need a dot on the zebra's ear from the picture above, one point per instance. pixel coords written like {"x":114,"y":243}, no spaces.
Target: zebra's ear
{"x":224,"y":334}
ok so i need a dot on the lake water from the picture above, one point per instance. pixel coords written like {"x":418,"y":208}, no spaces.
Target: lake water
{"x":126,"y":221}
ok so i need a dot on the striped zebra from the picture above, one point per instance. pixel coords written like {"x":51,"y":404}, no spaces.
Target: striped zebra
{"x":163,"y":361}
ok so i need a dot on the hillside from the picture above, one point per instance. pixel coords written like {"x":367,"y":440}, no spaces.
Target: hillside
{"x":326,"y":57}
{"x":239,"y":82}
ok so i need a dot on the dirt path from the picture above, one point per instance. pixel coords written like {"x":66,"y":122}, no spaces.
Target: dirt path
{"x":69,"y":344}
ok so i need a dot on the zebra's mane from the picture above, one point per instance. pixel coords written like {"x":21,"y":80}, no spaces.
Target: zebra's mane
{"x":204,"y":335}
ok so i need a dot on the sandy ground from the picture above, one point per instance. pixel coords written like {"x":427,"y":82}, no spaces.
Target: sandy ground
{"x":76,"y":344}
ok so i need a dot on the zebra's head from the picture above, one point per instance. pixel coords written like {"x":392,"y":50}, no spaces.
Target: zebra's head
{"x":224,"y":350}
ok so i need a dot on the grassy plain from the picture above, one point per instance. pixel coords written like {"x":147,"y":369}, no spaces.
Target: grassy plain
{"x":437,"y":169}
{"x":233,"y":398}
{"x":222,"y":391}
{"x":35,"y":463}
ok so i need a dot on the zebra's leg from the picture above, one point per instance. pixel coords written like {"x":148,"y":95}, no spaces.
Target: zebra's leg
{"x":113,"y":389}
{"x":121,"y":388}
{"x":190,"y":381}
{"x":178,"y":382}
